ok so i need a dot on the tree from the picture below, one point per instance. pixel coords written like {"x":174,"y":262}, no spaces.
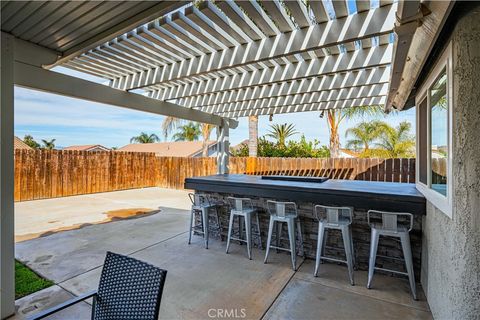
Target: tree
{"x":206,"y":131}
{"x":28,"y":139}
{"x":336,"y":116}
{"x":145,"y":138}
{"x":397,"y":142}
{"x":48,"y":145}
{"x":170,"y":124}
{"x":281,"y":132}
{"x":364,"y":134}
{"x":188,"y":132}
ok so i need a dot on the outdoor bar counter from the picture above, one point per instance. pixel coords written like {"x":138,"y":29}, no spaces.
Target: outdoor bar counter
{"x":307,"y":192}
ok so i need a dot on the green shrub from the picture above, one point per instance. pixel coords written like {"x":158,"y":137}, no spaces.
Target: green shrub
{"x":292,"y":149}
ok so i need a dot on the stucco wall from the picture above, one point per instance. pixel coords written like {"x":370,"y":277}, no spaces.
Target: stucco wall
{"x":451,"y":254}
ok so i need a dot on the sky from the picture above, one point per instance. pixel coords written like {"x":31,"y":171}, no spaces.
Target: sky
{"x":77,"y":122}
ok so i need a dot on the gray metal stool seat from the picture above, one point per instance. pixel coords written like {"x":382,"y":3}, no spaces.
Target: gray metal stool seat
{"x":284,"y":212}
{"x":202,"y":204}
{"x":243,"y":209}
{"x":338,"y":218}
{"x":392,"y":226}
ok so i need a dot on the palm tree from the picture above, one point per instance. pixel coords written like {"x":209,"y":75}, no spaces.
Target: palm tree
{"x":336,"y":116}
{"x":397,"y":142}
{"x":145,"y":138}
{"x":281,"y":132}
{"x":206,"y":130}
{"x":188,"y":132}
{"x":48,"y":145}
{"x":169,"y":124}
{"x":364,"y":134}
{"x":28,"y":139}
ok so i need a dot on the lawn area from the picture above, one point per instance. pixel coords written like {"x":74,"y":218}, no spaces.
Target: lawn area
{"x":27,"y":281}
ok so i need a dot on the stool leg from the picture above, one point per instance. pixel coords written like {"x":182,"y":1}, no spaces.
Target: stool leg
{"x":205,"y":225}
{"x":407,"y":253}
{"x":300,"y":237}
{"x":324,"y":242}
{"x":351,"y":245}
{"x":241,"y":230}
{"x":217,"y":220}
{"x":348,"y":251}
{"x":373,"y":255}
{"x":259,"y":232}
{"x":321,"y":234}
{"x":291,"y":237}
{"x":248,"y":227}
{"x":230,"y":227}
{"x":279,"y":235}
{"x":269,"y":238}
{"x":192,"y":213}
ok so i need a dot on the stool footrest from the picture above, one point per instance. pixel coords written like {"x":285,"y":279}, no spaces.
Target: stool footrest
{"x":391,"y":258}
{"x":393,"y":271}
{"x":332,"y":259}
{"x":280,"y":248}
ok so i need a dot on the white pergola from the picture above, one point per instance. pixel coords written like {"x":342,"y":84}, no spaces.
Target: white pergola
{"x":210,"y":62}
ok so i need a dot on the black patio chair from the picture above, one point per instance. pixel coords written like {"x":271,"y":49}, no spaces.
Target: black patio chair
{"x":128,"y":289}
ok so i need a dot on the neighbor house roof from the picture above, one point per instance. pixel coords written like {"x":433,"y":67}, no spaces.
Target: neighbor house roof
{"x":88,"y":147}
{"x":19,"y":144}
{"x":168,"y":149}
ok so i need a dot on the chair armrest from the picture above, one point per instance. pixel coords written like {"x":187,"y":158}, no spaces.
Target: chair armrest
{"x":64,"y":305}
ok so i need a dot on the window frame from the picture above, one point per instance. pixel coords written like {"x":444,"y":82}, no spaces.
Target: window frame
{"x":444,"y":203}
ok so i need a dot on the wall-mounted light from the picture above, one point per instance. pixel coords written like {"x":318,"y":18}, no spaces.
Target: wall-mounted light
{"x":270,"y":118}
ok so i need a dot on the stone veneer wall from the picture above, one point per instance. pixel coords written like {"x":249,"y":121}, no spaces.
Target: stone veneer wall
{"x":451,"y":254}
{"x":361,"y":236}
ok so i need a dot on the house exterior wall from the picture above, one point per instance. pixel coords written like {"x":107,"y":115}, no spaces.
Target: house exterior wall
{"x":451,"y":246}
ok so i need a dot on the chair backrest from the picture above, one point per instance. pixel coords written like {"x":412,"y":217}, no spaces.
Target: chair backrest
{"x":333,"y":214}
{"x":240,"y":204}
{"x":282,"y":209}
{"x":392,"y":221}
{"x":128,"y":289}
{"x":199,"y":199}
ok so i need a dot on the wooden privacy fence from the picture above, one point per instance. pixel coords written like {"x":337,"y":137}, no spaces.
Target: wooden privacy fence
{"x":44,"y":174}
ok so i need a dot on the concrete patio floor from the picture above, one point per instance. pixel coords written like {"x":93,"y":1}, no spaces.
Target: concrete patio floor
{"x":202,"y":283}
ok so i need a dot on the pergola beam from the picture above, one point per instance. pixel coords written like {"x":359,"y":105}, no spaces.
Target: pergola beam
{"x":355,"y":27}
{"x":339,"y":104}
{"x":44,"y":80}
{"x":349,"y":79}
{"x":299,"y":99}
{"x":329,"y":65}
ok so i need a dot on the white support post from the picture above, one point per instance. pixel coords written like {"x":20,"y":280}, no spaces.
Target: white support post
{"x":7,"y":243}
{"x":223,"y":146}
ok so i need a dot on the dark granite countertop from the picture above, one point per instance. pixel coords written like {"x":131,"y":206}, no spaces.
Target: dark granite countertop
{"x":392,"y":196}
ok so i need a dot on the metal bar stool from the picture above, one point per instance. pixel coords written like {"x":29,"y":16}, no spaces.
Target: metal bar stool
{"x":284,"y":212}
{"x":202,"y":204}
{"x":392,"y":226}
{"x":243,"y":209}
{"x":338,"y":218}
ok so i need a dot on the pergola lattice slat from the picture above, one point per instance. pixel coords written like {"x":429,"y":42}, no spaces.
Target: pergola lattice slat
{"x":356,"y":60}
{"x":305,"y":98}
{"x":330,"y":82}
{"x":339,"y":104}
{"x":366,"y":24}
